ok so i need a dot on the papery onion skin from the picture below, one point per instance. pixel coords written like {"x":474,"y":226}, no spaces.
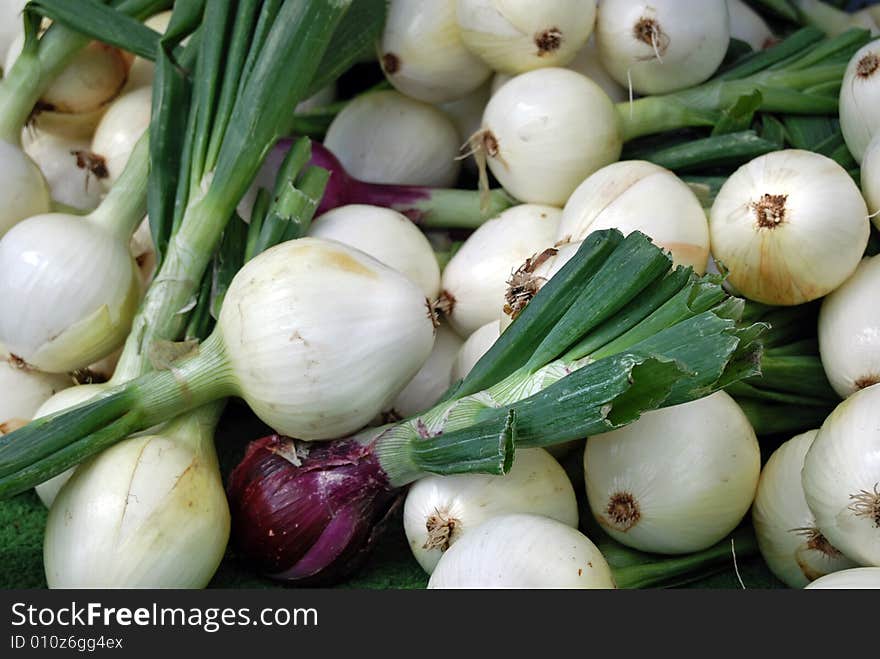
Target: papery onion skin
{"x":514,"y":36}
{"x":678,"y":479}
{"x":841,"y":477}
{"x":624,"y":196}
{"x":661,"y":46}
{"x":522,"y":551}
{"x":859,"y":577}
{"x":306,"y":522}
{"x":849,"y":331}
{"x":23,"y":188}
{"x":791,"y":544}
{"x":422,"y":54}
{"x":545,"y":131}
{"x":859,"y":98}
{"x":386,"y":137}
{"x":287,"y":312}
{"x":536,"y":484}
{"x":790,"y":227}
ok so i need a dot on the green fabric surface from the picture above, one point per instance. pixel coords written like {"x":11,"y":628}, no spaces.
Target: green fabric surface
{"x":389,"y":566}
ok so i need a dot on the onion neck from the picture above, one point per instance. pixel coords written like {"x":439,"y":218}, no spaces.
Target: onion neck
{"x":656,"y":114}
{"x":124,"y":207}
{"x":195,"y":430}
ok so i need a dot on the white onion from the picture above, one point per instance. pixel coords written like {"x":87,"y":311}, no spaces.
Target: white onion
{"x":119,"y":130}
{"x":73,"y":176}
{"x":662,"y":46}
{"x":677,"y":480}
{"x":871,"y":179}
{"x":467,"y":112}
{"x":23,"y":188}
{"x":10,"y":22}
{"x":545,"y":131}
{"x":142,"y":70}
{"x":841,"y":477}
{"x":472,"y":350}
{"x":858,"y":577}
{"x":831,"y":20}
{"x":23,"y":391}
{"x":625,"y":196}
{"x":522,"y":551}
{"x":441,"y":510}
{"x":433,"y":378}
{"x":385,"y":137}
{"x":790,"y":226}
{"x":747,"y":25}
{"x":422,"y":53}
{"x":386,"y":235}
{"x":514,"y":36}
{"x":475,"y":279}
{"x":149,"y":512}
{"x":285,"y":316}
{"x":849,"y":331}
{"x":859,"y":97}
{"x":791,"y":544}
{"x":74,"y":287}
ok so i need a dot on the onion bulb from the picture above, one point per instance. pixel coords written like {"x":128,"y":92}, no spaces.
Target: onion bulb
{"x":23,"y":391}
{"x":514,"y":36}
{"x":747,"y":25}
{"x":871,"y":179}
{"x":23,"y":188}
{"x":545,"y":131}
{"x":433,"y":378}
{"x":73,"y":174}
{"x":857,"y":577}
{"x":119,"y":130}
{"x":386,"y":235}
{"x":790,"y":227}
{"x":522,"y":551}
{"x":473,"y":349}
{"x":441,"y":510}
{"x":791,"y":544}
{"x":10,"y":22}
{"x":841,"y":477}
{"x":859,"y":96}
{"x":385,"y":137}
{"x":662,"y":46}
{"x":422,"y":54}
{"x":142,"y":70}
{"x":475,"y":279}
{"x":849,"y":331}
{"x":149,"y":512}
{"x":677,"y":480}
{"x":624,"y":196}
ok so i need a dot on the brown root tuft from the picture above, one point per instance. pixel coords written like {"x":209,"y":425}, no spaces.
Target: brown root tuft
{"x":548,"y":41}
{"x":623,"y":511}
{"x":433,"y":313}
{"x":441,"y":528}
{"x":523,"y":285}
{"x":817,"y":542}
{"x":867,"y":504}
{"x":866,"y":381}
{"x":444,"y":305}
{"x":868,"y":65}
{"x":648,"y":31}
{"x":390,"y":63}
{"x":769,"y":210}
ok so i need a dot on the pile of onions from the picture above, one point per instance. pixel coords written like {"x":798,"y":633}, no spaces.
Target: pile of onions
{"x":859,"y":96}
{"x":385,"y":137}
{"x":677,"y":480}
{"x":793,"y":547}
{"x":662,"y":46}
{"x":475,"y":279}
{"x":512,"y":36}
{"x":624,"y":196}
{"x":522,"y":551}
{"x":423,"y":55}
{"x":73,"y":175}
{"x":441,"y":510}
{"x":789,"y":226}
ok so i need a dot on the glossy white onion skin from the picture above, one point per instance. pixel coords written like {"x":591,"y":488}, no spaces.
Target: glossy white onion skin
{"x":433,"y":379}
{"x":57,"y":157}
{"x":23,"y":188}
{"x":545,"y":131}
{"x":747,"y":25}
{"x":475,"y":279}
{"x":75,"y":288}
{"x":867,"y":578}
{"x":788,"y":538}
{"x":472,"y":350}
{"x":849,"y":331}
{"x":871,"y":179}
{"x":23,"y":390}
{"x":522,"y":551}
{"x":514,"y":36}
{"x":691,"y":43}
{"x":120,"y":128}
{"x":141,"y":72}
{"x":677,"y":480}
{"x":422,"y":54}
{"x":841,"y":476}
{"x":790,"y":226}
{"x":859,"y":98}
{"x":385,"y":137}
{"x":387,"y":236}
{"x":624,"y":196}
{"x":536,"y":484}
{"x":285,"y":317}
{"x":10,"y":22}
